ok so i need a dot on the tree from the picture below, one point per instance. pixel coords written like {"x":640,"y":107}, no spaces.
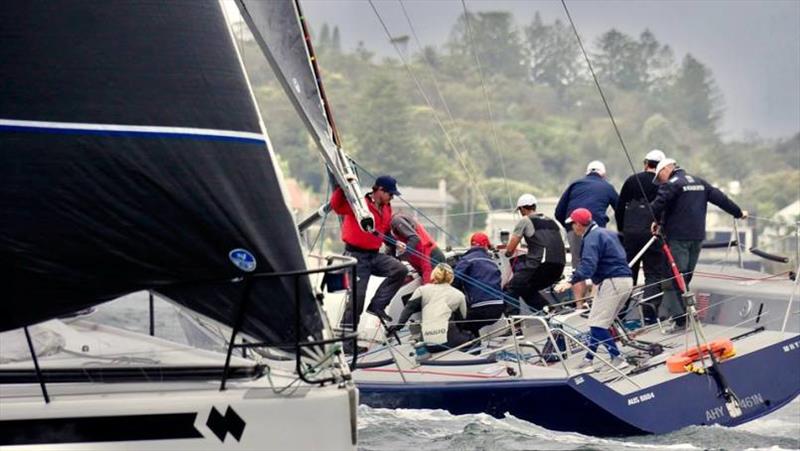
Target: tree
{"x":324,"y":40}
{"x":697,"y":99}
{"x":362,"y":52}
{"x":656,"y":59}
{"x":493,"y":38}
{"x":386,"y":141}
{"x":617,"y":60}
{"x":336,"y":41}
{"x":554,"y":56}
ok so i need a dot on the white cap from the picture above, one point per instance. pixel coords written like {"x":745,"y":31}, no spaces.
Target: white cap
{"x":661,"y":165}
{"x":526,"y":200}
{"x":655,"y":155}
{"x":596,"y":166}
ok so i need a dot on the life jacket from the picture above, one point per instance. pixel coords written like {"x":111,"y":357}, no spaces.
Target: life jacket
{"x":546,"y":244}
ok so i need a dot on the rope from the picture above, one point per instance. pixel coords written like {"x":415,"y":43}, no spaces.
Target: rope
{"x":415,"y":209}
{"x":322,"y":225}
{"x":473,"y":47}
{"x":413,"y":75}
{"x":608,"y":109}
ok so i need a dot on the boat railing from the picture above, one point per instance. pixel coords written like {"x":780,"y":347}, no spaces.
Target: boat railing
{"x":299,"y":345}
{"x":511,"y":324}
{"x":337,"y":263}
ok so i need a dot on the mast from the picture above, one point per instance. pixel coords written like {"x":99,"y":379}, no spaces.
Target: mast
{"x":280,"y":31}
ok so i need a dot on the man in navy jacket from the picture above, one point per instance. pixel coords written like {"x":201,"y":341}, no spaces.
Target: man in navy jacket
{"x":592,"y":192}
{"x":680,"y":207}
{"x":602,"y":261}
{"x":478,"y":276}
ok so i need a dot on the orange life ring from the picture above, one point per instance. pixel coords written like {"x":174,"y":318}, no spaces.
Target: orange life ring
{"x":683,"y":362}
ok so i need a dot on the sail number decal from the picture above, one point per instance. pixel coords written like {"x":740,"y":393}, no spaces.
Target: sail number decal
{"x":243,"y":259}
{"x":641,"y":398}
{"x":792,"y":346}
{"x":748,"y":402}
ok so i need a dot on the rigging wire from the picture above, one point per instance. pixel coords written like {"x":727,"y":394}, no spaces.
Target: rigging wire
{"x":427,"y":99}
{"x":492,"y":123}
{"x":431,"y":73}
{"x":608,"y":108}
{"x":732,"y":401}
{"x":413,"y":208}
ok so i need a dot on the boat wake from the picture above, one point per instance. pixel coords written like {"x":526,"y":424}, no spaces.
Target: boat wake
{"x":386,"y":429}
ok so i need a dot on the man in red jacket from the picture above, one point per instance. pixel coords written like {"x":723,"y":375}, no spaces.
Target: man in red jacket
{"x":365,"y":247}
{"x":414,"y":245}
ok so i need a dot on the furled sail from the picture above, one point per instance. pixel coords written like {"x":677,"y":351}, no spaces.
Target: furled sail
{"x":277,"y":28}
{"x":132,"y":157}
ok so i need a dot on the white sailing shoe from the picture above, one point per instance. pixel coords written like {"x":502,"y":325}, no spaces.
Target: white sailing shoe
{"x":619,"y":363}
{"x":585,"y":366}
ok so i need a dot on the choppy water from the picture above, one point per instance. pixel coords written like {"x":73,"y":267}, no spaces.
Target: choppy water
{"x":424,"y":430}
{"x":385,"y":429}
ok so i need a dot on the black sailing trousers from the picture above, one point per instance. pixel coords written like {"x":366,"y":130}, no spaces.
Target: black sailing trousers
{"x":373,"y":263}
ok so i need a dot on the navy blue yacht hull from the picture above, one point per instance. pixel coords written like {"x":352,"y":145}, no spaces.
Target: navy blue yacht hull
{"x":764,"y":380}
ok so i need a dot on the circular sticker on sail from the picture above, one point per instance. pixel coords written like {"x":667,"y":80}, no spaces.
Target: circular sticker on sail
{"x":243,"y":259}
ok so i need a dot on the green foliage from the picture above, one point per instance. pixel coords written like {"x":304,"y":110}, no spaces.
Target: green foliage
{"x":492,"y":36}
{"x":554,"y":59}
{"x":548,"y":120}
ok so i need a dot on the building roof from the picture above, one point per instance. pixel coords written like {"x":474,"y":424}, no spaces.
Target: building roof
{"x":424,"y":197}
{"x":790,"y":213}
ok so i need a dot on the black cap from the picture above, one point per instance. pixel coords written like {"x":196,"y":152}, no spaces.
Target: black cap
{"x":388,"y":183}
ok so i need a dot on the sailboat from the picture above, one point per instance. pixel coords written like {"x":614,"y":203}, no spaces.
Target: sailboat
{"x":134,"y":158}
{"x":716,"y":374}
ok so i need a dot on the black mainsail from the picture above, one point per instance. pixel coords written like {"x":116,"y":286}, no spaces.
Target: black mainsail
{"x":132,"y":157}
{"x":277,"y":28}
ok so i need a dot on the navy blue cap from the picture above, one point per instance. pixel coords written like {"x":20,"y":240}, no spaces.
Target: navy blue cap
{"x":388,"y":183}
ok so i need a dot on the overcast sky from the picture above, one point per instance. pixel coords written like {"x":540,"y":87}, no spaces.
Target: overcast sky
{"x":752,"y":47}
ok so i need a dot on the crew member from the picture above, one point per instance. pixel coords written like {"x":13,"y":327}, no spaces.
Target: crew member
{"x":602,"y":261}
{"x":413,"y":244}
{"x":364,"y":247}
{"x":544,"y":263}
{"x":633,"y":220}
{"x":478,"y":276}
{"x":442,"y":308}
{"x":592,"y":192}
{"x":680,"y":207}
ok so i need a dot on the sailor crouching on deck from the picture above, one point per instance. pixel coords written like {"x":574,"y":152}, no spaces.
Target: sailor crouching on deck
{"x":544,"y":263}
{"x":602,"y":260}
{"x":364,"y":247}
{"x":442,"y":307}
{"x":478,"y":276}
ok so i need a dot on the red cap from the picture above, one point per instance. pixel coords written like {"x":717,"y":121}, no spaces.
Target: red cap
{"x":479,"y":239}
{"x":580,"y":215}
